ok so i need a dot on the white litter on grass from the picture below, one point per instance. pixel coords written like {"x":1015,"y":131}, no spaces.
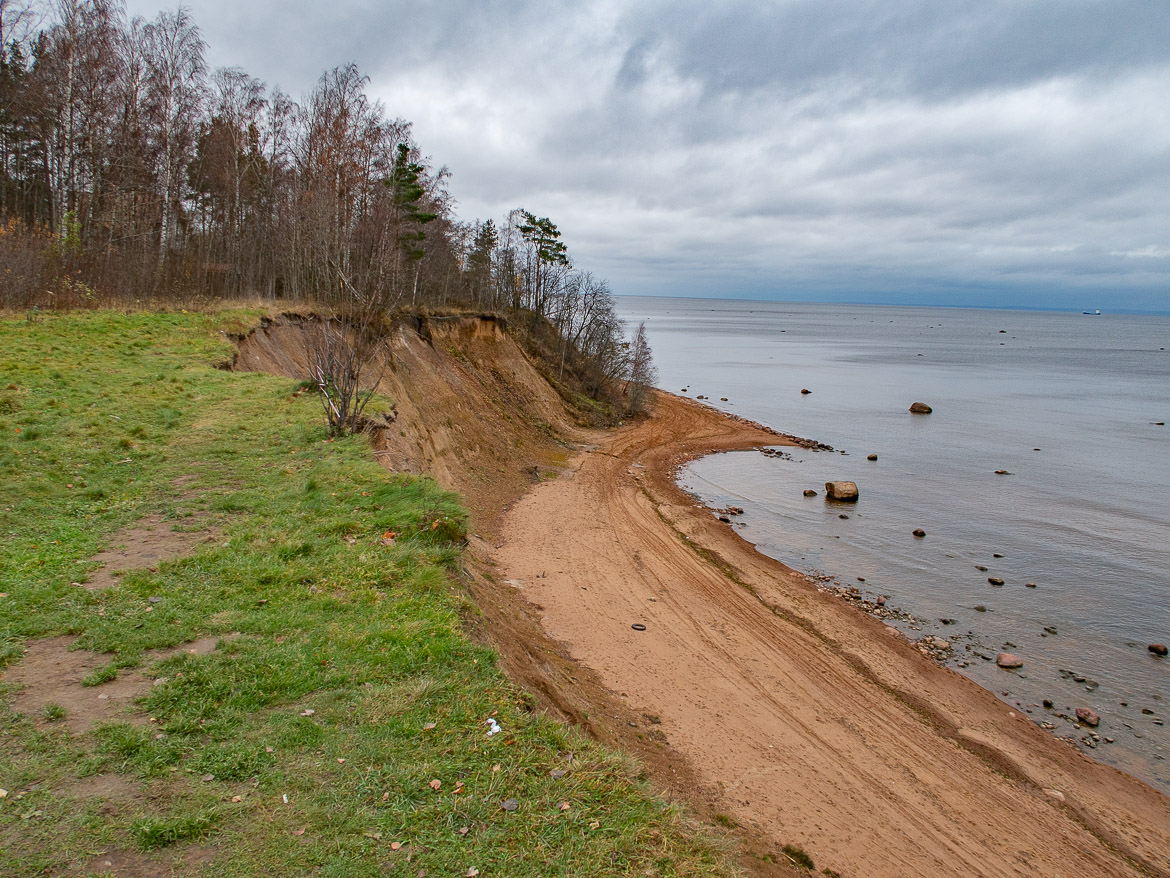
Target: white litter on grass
{"x":493,"y":726}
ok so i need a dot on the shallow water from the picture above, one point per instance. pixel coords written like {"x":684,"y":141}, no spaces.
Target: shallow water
{"x":1086,"y":517}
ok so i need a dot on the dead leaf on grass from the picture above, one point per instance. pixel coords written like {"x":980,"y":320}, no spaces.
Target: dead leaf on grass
{"x":435,"y":784}
{"x":510,"y":804}
{"x":471,"y":873}
{"x":564,"y":806}
{"x":301,"y":831}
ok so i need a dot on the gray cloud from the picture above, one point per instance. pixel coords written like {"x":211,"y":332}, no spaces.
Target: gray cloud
{"x":995,"y":152}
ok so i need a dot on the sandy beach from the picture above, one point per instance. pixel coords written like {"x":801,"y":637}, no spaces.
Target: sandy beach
{"x":814,"y":724}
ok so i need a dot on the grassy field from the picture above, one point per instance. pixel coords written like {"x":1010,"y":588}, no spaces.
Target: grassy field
{"x":340,"y":724}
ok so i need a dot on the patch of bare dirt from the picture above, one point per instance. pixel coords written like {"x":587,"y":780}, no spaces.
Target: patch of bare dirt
{"x":51,"y":673}
{"x":145,"y":544}
{"x":184,"y":860}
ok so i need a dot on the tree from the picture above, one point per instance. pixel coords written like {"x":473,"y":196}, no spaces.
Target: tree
{"x":479,"y":263}
{"x":642,"y":373}
{"x":548,"y":257}
{"x":174,"y":97}
{"x":406,"y":199}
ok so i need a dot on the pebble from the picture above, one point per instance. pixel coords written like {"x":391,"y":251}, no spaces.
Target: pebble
{"x":809,"y":492}
{"x":995,"y":580}
{"x":1157,"y":648}
{"x":919,"y":532}
{"x":871,"y":457}
{"x":1029,"y":585}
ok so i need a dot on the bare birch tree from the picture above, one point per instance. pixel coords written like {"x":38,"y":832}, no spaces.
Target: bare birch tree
{"x":175,"y":91}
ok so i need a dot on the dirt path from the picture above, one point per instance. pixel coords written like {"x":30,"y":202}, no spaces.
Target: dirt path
{"x":820,"y":726}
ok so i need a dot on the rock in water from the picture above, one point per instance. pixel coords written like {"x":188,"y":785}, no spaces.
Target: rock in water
{"x":1088,"y":717}
{"x":871,"y":457}
{"x":846,"y":492}
{"x":1008,"y":661}
{"x":809,"y":492}
{"x":920,"y":408}
{"x":805,"y":391}
{"x":1158,"y":648}
{"x":919,"y":532}
{"x":995,"y":580}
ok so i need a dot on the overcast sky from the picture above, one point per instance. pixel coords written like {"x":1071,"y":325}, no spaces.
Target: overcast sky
{"x":991,"y":152}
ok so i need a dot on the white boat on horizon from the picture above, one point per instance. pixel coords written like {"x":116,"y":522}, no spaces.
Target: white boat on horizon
{"x":1096,"y":313}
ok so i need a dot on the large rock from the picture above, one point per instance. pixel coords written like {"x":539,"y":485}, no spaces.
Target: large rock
{"x":920,"y":408}
{"x":1088,"y":717}
{"x":1158,"y":648}
{"x":1008,"y":661}
{"x":845,"y":492}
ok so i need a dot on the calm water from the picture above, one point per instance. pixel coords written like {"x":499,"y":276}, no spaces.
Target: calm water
{"x":1086,"y":517}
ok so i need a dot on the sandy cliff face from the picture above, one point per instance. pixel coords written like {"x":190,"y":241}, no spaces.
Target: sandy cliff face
{"x":472,"y":410}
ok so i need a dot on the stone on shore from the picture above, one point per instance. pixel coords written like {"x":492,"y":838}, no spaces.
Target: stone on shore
{"x":1007,"y":661}
{"x":1088,"y":717}
{"x":1158,"y":648}
{"x":920,"y":408}
{"x":845,"y":492}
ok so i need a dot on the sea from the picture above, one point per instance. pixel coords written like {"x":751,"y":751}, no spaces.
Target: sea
{"x":1045,"y":461}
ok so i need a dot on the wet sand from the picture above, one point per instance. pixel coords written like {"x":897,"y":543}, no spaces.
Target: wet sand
{"x":818,"y":724}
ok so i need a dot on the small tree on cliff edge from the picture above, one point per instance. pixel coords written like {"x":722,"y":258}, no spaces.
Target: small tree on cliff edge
{"x":642,"y":372}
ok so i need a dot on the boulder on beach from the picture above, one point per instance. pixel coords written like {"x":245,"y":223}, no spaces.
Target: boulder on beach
{"x":920,"y":408}
{"x":844,"y":492}
{"x":1158,"y":648}
{"x":1088,"y":717}
{"x":1008,"y":661}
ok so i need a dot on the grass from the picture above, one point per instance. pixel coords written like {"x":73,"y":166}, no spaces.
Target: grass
{"x":342,"y":686}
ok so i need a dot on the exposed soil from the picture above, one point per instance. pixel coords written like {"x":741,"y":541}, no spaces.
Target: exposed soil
{"x":51,"y":671}
{"x":144,"y":544}
{"x":469,"y":407}
{"x":180,"y":860}
{"x":816,"y":724}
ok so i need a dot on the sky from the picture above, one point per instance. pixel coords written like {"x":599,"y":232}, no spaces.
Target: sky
{"x":968,"y":152}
